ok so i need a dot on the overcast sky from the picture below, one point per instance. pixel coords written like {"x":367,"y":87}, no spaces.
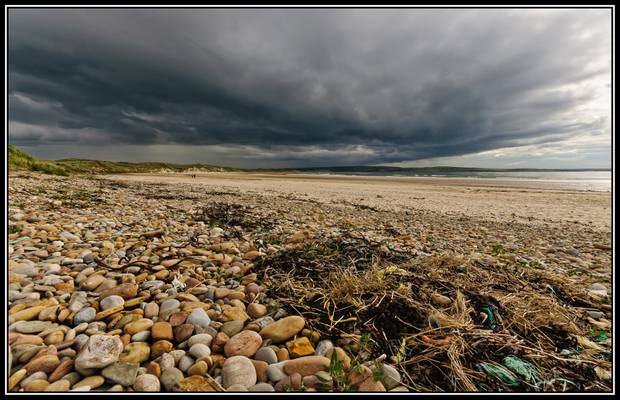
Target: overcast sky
{"x":279,"y":88}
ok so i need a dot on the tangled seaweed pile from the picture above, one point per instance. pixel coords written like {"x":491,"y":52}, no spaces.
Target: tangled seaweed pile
{"x":450,"y":322}
{"x":192,"y":289}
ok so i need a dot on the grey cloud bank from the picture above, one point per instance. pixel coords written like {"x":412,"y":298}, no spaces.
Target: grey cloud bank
{"x":279,"y":88}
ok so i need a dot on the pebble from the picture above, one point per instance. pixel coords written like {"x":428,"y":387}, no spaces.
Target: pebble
{"x":245,"y":343}
{"x":275,"y":372}
{"x":194,"y":383}
{"x":266,"y":354}
{"x":168,"y":307}
{"x":122,"y":373}
{"x":200,"y":350}
{"x":306,"y":365}
{"x":135,"y":353}
{"x":322,"y":347}
{"x":183,"y":332}
{"x":92,"y":382}
{"x":203,"y":338}
{"x":162,"y":330}
{"x":283,"y":329}
{"x":300,"y":347}
{"x":595,"y":314}
{"x":85,"y":315}
{"x":177,"y":319}
{"x":231,"y":328}
{"x":169,"y":377}
{"x":112,"y":301}
{"x":99,"y":352}
{"x":166,"y":361}
{"x":185,"y":363}
{"x":199,"y":318}
{"x":62,"y":385}
{"x":261,"y":387}
{"x":32,"y":377}
{"x":440,"y":299}
{"x":256,"y":310}
{"x":341,"y":355}
{"x":38,"y":385}
{"x":238,"y":370}
{"x":390,"y":376}
{"x":146,"y":383}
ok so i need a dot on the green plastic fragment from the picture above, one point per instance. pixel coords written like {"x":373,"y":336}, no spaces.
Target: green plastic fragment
{"x":499,"y":372}
{"x":601,"y":336}
{"x":490,"y":317}
{"x":525,"y":369}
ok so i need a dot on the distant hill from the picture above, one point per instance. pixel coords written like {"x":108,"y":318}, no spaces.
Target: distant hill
{"x":422,"y":170}
{"x":20,"y":160}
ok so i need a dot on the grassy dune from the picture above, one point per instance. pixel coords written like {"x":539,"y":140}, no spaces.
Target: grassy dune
{"x":20,"y":161}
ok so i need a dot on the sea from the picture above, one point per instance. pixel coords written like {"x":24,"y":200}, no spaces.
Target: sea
{"x":597,"y":181}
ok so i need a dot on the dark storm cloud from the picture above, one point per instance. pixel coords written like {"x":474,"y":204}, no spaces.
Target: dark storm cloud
{"x":394,"y":84}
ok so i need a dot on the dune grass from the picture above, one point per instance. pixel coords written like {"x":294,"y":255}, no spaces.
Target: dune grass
{"x":22,"y":161}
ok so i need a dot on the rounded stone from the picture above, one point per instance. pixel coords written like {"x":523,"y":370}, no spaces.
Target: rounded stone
{"x":141,"y":336}
{"x":146,"y":383}
{"x":135,"y":353}
{"x":37,"y":385}
{"x":62,"y":385}
{"x":200,"y":368}
{"x":390,"y":376}
{"x":245,"y":343}
{"x":33,"y":377}
{"x":122,"y":373}
{"x":256,"y":310}
{"x":183,"y":332}
{"x":160,"y":347}
{"x":111,"y":301}
{"x":203,"y":338}
{"x":168,"y":307}
{"x":198,"y":317}
{"x":84,"y":315}
{"x":306,"y":365}
{"x":322,"y":347}
{"x":283,"y":329}
{"x":200,"y":350}
{"x":46,"y":364}
{"x":166,"y":361}
{"x":169,"y":377}
{"x":151,"y":310}
{"x":266,"y":354}
{"x":231,"y":328}
{"x":238,"y":370}
{"x":92,"y":381}
{"x":341,"y":355}
{"x":261,"y":387}
{"x":162,"y":330}
{"x":138,"y":326}
{"x":178,"y":318}
{"x":185,"y":363}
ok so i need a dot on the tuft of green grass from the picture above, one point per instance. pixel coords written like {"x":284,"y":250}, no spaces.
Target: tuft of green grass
{"x":14,"y":229}
{"x":497,"y":249}
{"x":336,"y":370}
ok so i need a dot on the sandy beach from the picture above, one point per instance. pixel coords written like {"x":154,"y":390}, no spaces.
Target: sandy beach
{"x":531,"y":201}
{"x":428,"y":284}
